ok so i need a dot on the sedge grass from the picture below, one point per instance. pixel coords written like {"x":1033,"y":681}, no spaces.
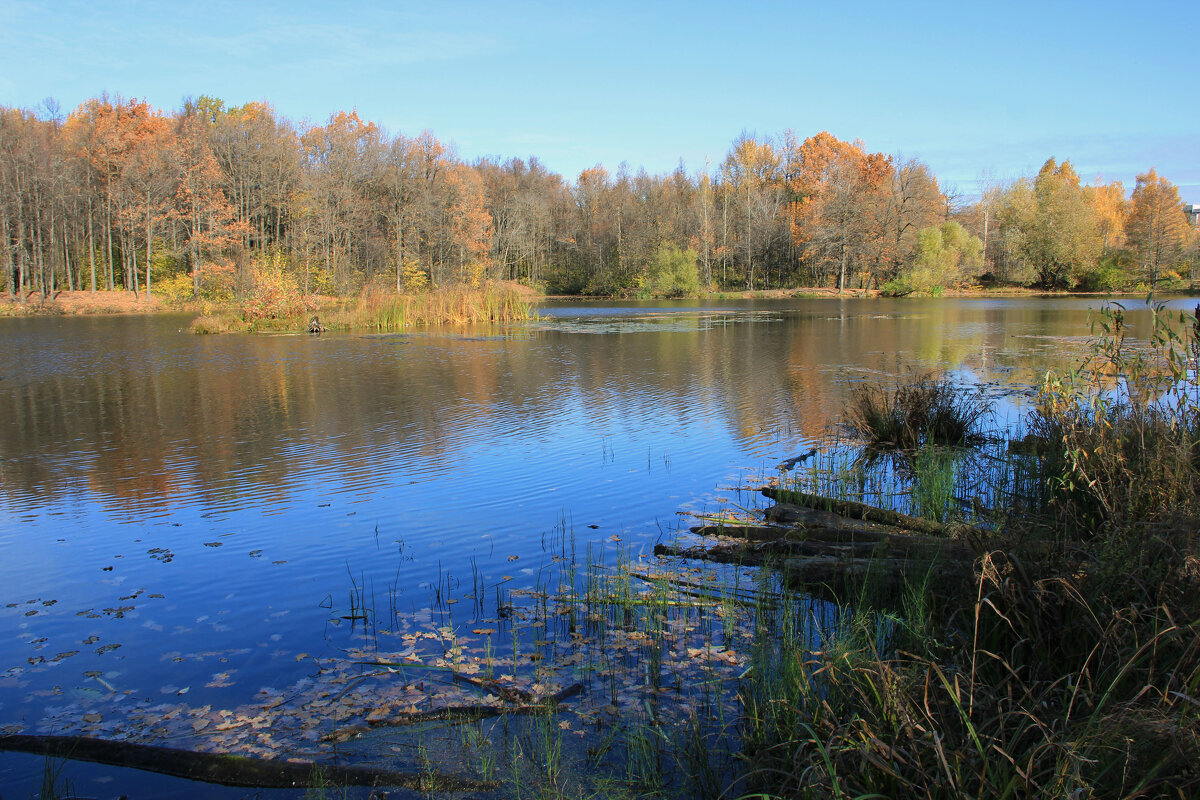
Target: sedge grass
{"x":382,"y":310}
{"x":918,"y":412}
{"x":378,"y":309}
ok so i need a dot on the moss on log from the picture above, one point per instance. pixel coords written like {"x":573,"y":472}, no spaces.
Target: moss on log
{"x":852,"y":510}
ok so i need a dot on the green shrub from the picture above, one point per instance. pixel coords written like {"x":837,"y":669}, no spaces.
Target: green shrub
{"x":1110,"y":275}
{"x":673,"y":273}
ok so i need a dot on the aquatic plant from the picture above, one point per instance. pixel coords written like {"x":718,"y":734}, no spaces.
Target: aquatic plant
{"x":379,"y":309}
{"x":915,"y":413}
{"x":1121,"y":435}
{"x":218,"y":323}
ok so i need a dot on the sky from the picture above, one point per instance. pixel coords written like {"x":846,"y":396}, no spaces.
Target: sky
{"x":983,"y":93}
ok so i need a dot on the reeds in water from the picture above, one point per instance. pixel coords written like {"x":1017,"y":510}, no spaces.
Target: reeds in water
{"x":383,"y":310}
{"x":922,"y":411}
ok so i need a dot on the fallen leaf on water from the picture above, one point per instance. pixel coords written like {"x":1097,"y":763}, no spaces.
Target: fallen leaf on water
{"x":92,"y":717}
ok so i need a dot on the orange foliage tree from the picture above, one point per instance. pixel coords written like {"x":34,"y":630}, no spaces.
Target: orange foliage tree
{"x":840,"y":194}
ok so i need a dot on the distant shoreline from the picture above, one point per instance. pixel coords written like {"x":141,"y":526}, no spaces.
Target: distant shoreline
{"x":121,"y":302}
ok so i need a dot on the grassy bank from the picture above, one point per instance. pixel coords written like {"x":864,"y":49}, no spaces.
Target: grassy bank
{"x":376,"y":309}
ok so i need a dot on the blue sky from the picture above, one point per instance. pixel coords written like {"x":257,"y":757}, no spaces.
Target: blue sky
{"x":978,"y":91}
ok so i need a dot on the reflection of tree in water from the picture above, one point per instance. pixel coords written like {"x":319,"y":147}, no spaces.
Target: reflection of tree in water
{"x":229,"y":417}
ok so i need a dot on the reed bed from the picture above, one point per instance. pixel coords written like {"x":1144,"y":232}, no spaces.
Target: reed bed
{"x":217,"y":322}
{"x":383,"y":310}
{"x":923,"y":411}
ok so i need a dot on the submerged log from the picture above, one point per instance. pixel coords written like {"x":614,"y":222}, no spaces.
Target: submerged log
{"x":837,"y":545}
{"x":852,"y":510}
{"x":231,"y":770}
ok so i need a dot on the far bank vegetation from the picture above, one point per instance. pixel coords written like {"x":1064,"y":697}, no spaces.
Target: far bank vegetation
{"x":210,"y":203}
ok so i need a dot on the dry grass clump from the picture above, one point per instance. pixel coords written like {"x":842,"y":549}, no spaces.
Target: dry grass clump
{"x":1122,"y":435}
{"x":219,"y":323}
{"x":381,"y":309}
{"x":923,"y":411}
{"x":1070,"y":668}
{"x":1031,"y":688}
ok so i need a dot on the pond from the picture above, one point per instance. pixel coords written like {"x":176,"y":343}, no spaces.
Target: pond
{"x":191,"y":526}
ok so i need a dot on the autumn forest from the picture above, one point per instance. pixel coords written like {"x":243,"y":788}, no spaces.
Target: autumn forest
{"x":208,"y":201}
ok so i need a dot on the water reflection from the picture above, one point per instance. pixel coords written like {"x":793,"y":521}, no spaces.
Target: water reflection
{"x":140,"y":417}
{"x":227,"y":491}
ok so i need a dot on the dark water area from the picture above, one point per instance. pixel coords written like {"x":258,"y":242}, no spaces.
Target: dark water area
{"x":192,"y":522}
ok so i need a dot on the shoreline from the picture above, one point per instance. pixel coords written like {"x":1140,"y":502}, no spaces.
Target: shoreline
{"x":122,"y":302}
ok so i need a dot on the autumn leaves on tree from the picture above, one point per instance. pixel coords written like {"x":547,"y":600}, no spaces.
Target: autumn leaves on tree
{"x":215,"y":202}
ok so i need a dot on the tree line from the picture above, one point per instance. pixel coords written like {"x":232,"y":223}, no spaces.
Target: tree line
{"x":209,"y":200}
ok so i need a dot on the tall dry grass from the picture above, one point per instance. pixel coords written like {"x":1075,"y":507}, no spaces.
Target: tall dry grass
{"x":1070,"y":666}
{"x":1028,"y":689}
{"x":385,"y":310}
{"x":924,"y":411}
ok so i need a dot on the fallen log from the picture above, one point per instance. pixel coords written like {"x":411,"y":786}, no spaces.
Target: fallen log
{"x":783,"y":541}
{"x":227,"y":769}
{"x":852,"y":510}
{"x":801,"y":523}
{"x":834,"y":575}
{"x":822,"y":557}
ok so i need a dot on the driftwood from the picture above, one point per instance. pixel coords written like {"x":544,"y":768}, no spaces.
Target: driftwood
{"x":822,"y":542}
{"x":857,"y":511}
{"x":816,"y":565}
{"x":231,"y":770}
{"x":804,"y":530}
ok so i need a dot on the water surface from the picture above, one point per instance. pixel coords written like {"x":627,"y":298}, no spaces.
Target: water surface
{"x":193,"y":520}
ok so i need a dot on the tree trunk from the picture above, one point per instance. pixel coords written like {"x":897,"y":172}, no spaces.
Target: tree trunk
{"x":91,"y":234}
{"x":6,"y":243}
{"x":21,"y":257}
{"x":149,"y":239}
{"x":110,"y":267}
